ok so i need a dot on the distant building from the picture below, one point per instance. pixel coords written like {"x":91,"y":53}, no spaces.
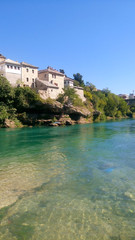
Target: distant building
{"x":131,"y":96}
{"x":50,"y":83}
{"x":23,"y":74}
{"x":10,"y":70}
{"x":29,"y":74}
{"x":124,"y":96}
{"x":68,"y":82}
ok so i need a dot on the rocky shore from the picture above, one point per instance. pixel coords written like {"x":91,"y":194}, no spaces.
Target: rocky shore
{"x":54,"y":114}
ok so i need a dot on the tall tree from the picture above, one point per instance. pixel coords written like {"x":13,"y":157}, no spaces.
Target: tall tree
{"x":62,"y":71}
{"x":79,"y":78}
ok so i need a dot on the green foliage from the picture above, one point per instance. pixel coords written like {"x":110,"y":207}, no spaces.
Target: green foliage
{"x":70,"y":97}
{"x":3,"y":114}
{"x":109,"y":104}
{"x":78,"y":77}
{"x":90,"y":86}
{"x":87,"y":95}
{"x":6,"y":92}
{"x":49,"y":100}
{"x":25,"y":98}
{"x":62,"y":71}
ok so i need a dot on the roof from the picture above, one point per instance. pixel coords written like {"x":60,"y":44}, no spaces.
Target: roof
{"x":1,"y":56}
{"x":68,"y":79}
{"x":51,"y":70}
{"x":11,"y":61}
{"x":28,"y":65}
{"x":48,"y":84}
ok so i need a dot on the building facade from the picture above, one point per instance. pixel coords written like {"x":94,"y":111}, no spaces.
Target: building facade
{"x":11,"y":70}
{"x":52,"y":83}
{"x":22,"y":74}
{"x":29,"y":74}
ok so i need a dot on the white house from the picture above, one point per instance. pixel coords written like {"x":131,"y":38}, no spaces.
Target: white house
{"x":11,"y":70}
{"x":23,"y":74}
{"x":68,"y":82}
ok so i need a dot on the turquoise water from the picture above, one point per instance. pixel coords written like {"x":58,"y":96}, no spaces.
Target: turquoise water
{"x":68,"y":183}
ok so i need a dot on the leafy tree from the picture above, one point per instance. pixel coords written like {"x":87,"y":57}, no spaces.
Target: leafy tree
{"x":88,"y":95}
{"x":62,"y":71}
{"x":6,"y":92}
{"x":3,"y":114}
{"x":25,"y":98}
{"x":78,"y":77}
{"x":90,"y":86}
{"x":70,"y":97}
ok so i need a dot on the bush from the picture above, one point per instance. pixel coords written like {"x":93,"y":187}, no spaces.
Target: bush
{"x":3,"y":114}
{"x":70,"y":97}
{"x":6,"y":92}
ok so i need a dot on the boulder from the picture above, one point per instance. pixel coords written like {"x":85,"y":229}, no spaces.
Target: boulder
{"x":9,"y":123}
{"x":80,"y":111}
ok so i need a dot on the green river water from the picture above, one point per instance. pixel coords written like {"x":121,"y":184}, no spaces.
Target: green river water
{"x":68,"y":183}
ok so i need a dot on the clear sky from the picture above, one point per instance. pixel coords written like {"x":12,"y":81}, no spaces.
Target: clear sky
{"x":93,"y":37}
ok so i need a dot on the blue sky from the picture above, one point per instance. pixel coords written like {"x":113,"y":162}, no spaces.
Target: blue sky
{"x":93,"y":37}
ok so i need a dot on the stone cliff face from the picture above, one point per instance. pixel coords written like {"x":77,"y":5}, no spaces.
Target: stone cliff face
{"x":54,"y":114}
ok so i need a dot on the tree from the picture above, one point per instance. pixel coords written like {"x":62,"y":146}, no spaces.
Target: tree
{"x":90,"y":86}
{"x":62,"y":71}
{"x":6,"y":92}
{"x":78,"y":77}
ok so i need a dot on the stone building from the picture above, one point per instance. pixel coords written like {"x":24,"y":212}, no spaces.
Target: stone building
{"x":29,"y":74}
{"x":22,"y":74}
{"x":50,"y":83}
{"x":10,"y":70}
{"x":68,"y":82}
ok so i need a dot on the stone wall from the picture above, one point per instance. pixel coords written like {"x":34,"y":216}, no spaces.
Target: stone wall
{"x":80,"y":92}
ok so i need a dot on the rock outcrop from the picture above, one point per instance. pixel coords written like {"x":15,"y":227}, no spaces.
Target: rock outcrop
{"x":9,"y":123}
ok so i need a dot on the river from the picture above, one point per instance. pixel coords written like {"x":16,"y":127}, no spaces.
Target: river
{"x":68,"y":183}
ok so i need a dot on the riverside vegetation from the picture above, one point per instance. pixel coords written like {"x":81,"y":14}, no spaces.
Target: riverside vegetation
{"x":21,"y":106}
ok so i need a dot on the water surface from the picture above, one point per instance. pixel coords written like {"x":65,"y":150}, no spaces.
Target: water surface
{"x":68,"y":183}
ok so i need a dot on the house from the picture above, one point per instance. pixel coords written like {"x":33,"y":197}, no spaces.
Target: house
{"x":68,"y":82}
{"x":50,"y":83}
{"x":10,"y":69}
{"x":23,"y":74}
{"x":29,"y":74}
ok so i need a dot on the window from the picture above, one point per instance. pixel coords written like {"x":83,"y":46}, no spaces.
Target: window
{"x":27,"y":79}
{"x":45,"y":75}
{"x":7,"y":66}
{"x":52,"y":81}
{"x":27,"y":69}
{"x":18,"y":68}
{"x":32,"y":71}
{"x":14,"y":67}
{"x":51,"y":90}
{"x":11,"y":67}
{"x":33,"y":80}
{"x":53,"y":75}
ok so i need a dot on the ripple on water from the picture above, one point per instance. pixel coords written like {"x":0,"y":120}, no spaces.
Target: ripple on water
{"x":60,"y":191}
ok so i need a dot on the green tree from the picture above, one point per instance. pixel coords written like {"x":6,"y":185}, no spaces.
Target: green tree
{"x":79,"y":78}
{"x":90,"y":86}
{"x":3,"y":114}
{"x":26,"y":98}
{"x":62,"y":71}
{"x":6,"y":92}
